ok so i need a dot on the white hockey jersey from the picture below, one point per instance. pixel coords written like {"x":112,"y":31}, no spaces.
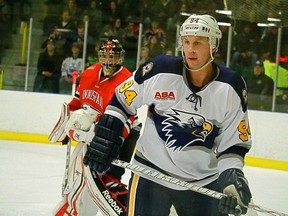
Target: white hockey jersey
{"x":71,"y":64}
{"x":190,"y":133}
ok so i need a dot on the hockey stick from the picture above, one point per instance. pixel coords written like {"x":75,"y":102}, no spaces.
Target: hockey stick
{"x":68,"y":150}
{"x":190,"y":186}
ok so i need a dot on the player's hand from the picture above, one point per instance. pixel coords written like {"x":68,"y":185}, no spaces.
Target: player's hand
{"x":80,"y":119}
{"x":106,"y":144}
{"x":233,"y":183}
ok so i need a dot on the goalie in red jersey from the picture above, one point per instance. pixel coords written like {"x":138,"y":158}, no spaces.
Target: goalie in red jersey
{"x":87,"y":193}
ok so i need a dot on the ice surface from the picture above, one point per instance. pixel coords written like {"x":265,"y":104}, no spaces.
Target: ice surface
{"x":31,"y":177}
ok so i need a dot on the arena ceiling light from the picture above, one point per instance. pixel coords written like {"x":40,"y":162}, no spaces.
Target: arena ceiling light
{"x":266,"y":24}
{"x":224,"y":24}
{"x":226,"y":12}
{"x":185,"y":14}
{"x":271,"y":19}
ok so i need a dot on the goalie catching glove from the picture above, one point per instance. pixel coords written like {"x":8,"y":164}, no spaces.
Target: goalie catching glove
{"x":80,"y":126}
{"x":106,"y":144}
{"x":233,"y":183}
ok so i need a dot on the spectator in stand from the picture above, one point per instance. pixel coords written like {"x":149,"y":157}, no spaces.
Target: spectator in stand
{"x":165,"y":12}
{"x":74,"y":10}
{"x":49,"y":70}
{"x":52,"y":14}
{"x":131,"y":8}
{"x":282,"y":101}
{"x":147,"y":11}
{"x":154,"y":46}
{"x":144,"y":55}
{"x":114,"y":30}
{"x":179,"y":18}
{"x":245,"y":50}
{"x":268,"y":43}
{"x":95,"y":18}
{"x":130,"y":42}
{"x":69,"y":65}
{"x":205,"y":6}
{"x":130,"y":33}
{"x":268,"y":8}
{"x":79,"y":37}
{"x":64,"y":22}
{"x":248,"y":11}
{"x":169,"y":51}
{"x":83,"y":4}
{"x":155,"y":29}
{"x":112,"y":12}
{"x":62,"y":33}
{"x":260,"y":88}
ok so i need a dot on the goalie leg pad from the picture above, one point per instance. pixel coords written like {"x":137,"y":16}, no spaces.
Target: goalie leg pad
{"x":90,"y":194}
{"x":58,"y":133}
{"x":108,"y":193}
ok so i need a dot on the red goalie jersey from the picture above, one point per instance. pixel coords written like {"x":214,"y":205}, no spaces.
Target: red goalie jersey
{"x":95,"y":91}
{"x":86,"y":192}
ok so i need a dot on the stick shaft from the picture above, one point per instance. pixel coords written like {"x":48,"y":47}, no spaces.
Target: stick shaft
{"x":190,"y":186}
{"x":68,"y":150}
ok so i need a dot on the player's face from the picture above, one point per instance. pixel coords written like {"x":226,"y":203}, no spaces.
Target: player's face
{"x":108,"y":63}
{"x":258,"y":70}
{"x":108,"y":59}
{"x":196,"y":50}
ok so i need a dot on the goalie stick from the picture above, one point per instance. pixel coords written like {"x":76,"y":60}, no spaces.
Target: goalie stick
{"x":190,"y":186}
{"x":68,"y":142}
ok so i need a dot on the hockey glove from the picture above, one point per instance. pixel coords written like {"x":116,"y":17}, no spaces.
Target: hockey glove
{"x":80,"y":126}
{"x":106,"y":144}
{"x":233,"y":183}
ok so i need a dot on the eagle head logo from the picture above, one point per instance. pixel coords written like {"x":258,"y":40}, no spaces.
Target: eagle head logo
{"x":181,"y":129}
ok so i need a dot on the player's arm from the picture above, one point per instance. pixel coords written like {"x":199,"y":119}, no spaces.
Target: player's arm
{"x":232,"y":181}
{"x":109,"y":136}
{"x":234,"y":143}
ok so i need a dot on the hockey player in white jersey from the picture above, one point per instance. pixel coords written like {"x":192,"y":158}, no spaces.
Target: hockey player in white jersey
{"x":196,"y":129}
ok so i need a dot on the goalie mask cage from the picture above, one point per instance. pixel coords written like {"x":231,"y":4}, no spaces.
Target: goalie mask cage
{"x":258,"y":11}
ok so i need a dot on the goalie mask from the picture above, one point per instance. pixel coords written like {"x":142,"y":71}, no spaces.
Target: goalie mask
{"x":111,"y":56}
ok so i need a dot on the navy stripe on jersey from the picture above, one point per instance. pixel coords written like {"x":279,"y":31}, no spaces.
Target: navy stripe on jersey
{"x":165,"y":64}
{"x":235,"y":80}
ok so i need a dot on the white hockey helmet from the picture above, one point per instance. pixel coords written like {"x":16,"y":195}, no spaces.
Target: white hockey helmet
{"x":202,"y":25}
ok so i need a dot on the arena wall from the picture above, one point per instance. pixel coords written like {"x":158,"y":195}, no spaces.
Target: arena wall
{"x":29,"y":116}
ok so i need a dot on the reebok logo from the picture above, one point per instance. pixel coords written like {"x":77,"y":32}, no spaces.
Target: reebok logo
{"x":164,"y":95}
{"x":112,"y":202}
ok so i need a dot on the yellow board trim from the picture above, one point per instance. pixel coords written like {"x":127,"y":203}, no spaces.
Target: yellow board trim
{"x":43,"y":139}
{"x":28,"y":137}
{"x":266,"y":163}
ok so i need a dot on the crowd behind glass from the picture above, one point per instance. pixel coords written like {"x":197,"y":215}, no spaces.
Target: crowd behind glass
{"x":64,"y":25}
